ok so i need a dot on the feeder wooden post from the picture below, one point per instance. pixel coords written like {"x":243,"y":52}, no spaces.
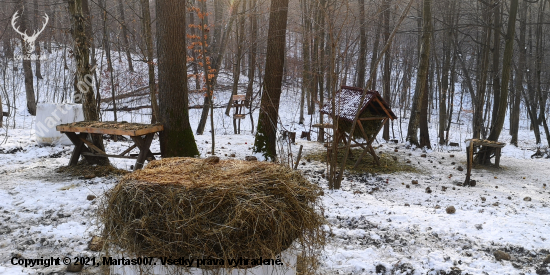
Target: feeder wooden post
{"x":469,"y":161}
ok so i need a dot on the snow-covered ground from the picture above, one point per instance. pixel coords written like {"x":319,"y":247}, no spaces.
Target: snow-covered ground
{"x":398,"y":228}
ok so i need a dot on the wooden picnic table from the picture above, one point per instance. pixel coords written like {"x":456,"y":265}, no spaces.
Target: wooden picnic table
{"x":141,"y":134}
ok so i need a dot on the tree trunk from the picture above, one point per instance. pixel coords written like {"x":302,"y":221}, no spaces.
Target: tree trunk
{"x":321,"y":68}
{"x":125,"y":43}
{"x":239,"y":41}
{"x":543,"y":97}
{"x":217,"y":52}
{"x":252,"y":59}
{"x":506,"y":69}
{"x":496,"y":63}
{"x":147,"y":33}
{"x":177,"y":139}
{"x":515,"y":112}
{"x":27,"y":66}
{"x":266,"y":135}
{"x":485,"y":152}
{"x":1,"y":112}
{"x":373,"y":74}
{"x":387,"y":69}
{"x":448,"y":21}
{"x":482,"y":84}
{"x":362,"y":62}
{"x":81,"y":52}
{"x":8,"y":49}
{"x":422,"y":78}
{"x":107,"y":49}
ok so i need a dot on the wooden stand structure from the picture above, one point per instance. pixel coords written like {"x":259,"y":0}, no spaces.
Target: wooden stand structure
{"x":373,"y":114}
{"x":239,"y":104}
{"x":471,"y":150}
{"x":89,"y":150}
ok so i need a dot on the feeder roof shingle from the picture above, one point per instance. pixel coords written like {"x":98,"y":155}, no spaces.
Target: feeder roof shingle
{"x":347,"y":103}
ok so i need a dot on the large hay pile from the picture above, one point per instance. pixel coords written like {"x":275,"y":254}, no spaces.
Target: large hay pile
{"x":185,"y":207}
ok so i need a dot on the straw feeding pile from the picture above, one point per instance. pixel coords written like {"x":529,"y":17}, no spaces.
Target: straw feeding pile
{"x":185,"y":207}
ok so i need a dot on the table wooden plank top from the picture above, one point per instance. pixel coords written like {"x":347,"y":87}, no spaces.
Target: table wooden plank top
{"x":110,"y":128}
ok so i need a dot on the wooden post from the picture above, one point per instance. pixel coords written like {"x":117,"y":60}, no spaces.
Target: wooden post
{"x":497,"y":156}
{"x":470,"y":159}
{"x":144,"y":151}
{"x":299,"y":157}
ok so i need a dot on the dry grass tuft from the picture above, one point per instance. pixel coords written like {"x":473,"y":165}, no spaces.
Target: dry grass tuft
{"x":388,"y":164}
{"x":185,"y":207}
{"x":88,"y":171}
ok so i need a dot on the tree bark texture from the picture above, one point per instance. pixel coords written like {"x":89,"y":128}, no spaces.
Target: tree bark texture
{"x":177,"y":139}
{"x":81,"y":52}
{"x":422,"y":77}
{"x":386,"y":77}
{"x":266,"y":135}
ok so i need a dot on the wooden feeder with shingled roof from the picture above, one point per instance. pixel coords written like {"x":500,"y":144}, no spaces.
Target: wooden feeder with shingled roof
{"x":373,"y":114}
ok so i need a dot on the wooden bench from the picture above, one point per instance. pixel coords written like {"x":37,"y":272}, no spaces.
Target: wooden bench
{"x":141,"y":134}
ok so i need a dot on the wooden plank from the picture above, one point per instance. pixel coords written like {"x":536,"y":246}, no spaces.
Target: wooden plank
{"x":383,"y":108}
{"x":322,"y":126}
{"x":469,"y":162}
{"x":239,"y":97}
{"x":373,"y":153}
{"x":365,"y":150}
{"x":497,"y":156}
{"x":128,"y":150}
{"x":144,"y":153}
{"x":152,"y":130}
{"x":372,"y":118}
{"x":91,"y":145}
{"x":363,"y":154}
{"x":365,"y":136}
{"x":93,"y":130}
{"x":299,"y":157}
{"x":107,"y":156}
{"x":78,"y":144}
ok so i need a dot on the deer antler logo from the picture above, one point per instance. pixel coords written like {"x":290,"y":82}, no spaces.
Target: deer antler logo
{"x":28,"y":48}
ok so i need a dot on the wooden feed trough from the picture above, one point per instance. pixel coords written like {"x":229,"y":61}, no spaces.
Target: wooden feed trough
{"x":89,"y":150}
{"x":373,"y":114}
